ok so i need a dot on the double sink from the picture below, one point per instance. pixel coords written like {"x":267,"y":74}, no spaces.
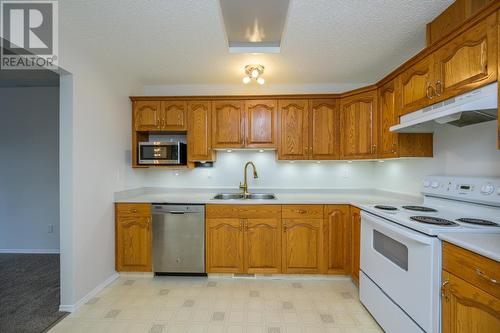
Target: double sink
{"x":241,"y":196}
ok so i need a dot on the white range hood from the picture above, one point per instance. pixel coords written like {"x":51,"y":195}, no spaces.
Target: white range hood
{"x":474,"y":107}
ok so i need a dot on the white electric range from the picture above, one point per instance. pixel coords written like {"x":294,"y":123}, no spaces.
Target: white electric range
{"x":400,"y":252}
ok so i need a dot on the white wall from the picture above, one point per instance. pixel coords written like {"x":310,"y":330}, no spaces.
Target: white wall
{"x":228,"y":172}
{"x":466,"y":151}
{"x":29,"y":169}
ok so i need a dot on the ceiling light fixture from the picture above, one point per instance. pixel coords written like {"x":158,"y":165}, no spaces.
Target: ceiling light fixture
{"x":254,"y":71}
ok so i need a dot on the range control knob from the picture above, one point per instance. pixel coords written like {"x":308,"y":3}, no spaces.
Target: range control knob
{"x":487,"y":189}
{"x":434,"y":184}
{"x":427,"y":183}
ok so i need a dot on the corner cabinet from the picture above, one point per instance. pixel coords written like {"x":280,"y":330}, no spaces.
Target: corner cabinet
{"x":133,"y":237}
{"x":470,"y":292}
{"x":199,"y":135}
{"x":337,"y":239}
{"x":393,"y":145}
{"x":355,"y":242}
{"x":358,"y":119}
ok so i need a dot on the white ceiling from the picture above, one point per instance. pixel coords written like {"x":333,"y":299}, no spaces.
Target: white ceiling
{"x":180,"y":42}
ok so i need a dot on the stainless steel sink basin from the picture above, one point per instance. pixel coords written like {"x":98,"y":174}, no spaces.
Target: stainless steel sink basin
{"x":239,"y":196}
{"x":229,"y":196}
{"x":261,"y":196}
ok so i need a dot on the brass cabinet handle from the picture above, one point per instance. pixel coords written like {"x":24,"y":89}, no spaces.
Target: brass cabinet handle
{"x":133,"y":210}
{"x":300,"y":211}
{"x":439,"y":87}
{"x":285,"y":227}
{"x":486,"y":277}
{"x":444,"y":286}
{"x":430,"y":91}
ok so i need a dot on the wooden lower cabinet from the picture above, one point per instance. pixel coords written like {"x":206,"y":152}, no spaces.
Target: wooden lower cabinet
{"x":337,"y":239}
{"x":224,"y":245}
{"x":470,"y":292}
{"x":133,"y":237}
{"x":303,"y":242}
{"x":243,"y":239}
{"x":355,"y":241}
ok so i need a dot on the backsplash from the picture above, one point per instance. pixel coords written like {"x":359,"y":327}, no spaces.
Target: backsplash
{"x":228,"y":172}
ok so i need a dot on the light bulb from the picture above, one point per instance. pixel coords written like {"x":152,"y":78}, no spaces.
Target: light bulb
{"x":255,"y":73}
{"x":229,"y":150}
{"x":261,"y":150}
{"x":246,"y":80}
{"x":261,"y":80}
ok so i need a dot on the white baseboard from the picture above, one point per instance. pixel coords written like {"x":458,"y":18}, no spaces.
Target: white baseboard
{"x":40,"y":251}
{"x":86,"y":298}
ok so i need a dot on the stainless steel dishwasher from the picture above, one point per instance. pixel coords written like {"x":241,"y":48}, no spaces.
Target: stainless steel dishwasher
{"x":179,"y":239}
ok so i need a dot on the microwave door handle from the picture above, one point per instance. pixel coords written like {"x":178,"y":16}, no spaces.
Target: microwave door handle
{"x":396,"y":229}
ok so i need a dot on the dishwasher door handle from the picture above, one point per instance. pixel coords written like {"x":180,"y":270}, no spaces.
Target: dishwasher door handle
{"x":178,"y":212}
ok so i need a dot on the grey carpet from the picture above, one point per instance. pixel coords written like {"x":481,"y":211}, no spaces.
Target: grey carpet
{"x":29,"y":292}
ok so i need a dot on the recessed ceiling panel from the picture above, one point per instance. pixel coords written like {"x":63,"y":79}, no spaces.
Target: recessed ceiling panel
{"x":254,"y":26}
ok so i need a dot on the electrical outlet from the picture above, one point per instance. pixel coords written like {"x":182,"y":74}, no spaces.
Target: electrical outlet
{"x":51,"y":228}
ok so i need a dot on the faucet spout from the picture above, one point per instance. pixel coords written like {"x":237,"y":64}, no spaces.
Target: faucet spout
{"x":244,"y":186}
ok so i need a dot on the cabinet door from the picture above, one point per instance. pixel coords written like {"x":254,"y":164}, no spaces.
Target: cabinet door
{"x":416,"y":86}
{"x":227,"y":124}
{"x":133,"y":244}
{"x":293,"y":137}
{"x":302,"y":245}
{"x":224,"y":245}
{"x":359,"y":123}
{"x":324,"y":129}
{"x":467,"y":309}
{"x":263,"y":246}
{"x":147,"y":115}
{"x":388,"y":116}
{"x":337,"y":239}
{"x":468,"y":61}
{"x":199,"y":131}
{"x":261,"y":124}
{"x":173,"y":116}
{"x":356,"y":233}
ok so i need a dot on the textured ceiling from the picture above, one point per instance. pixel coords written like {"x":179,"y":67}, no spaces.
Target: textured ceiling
{"x":178,"y":42}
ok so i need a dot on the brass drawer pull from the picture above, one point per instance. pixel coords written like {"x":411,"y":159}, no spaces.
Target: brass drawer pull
{"x":443,"y":289}
{"x":300,"y":211}
{"x":486,"y":277}
{"x":439,"y":88}
{"x":133,"y":210}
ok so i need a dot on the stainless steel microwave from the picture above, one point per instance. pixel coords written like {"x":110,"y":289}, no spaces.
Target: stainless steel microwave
{"x":164,"y":153}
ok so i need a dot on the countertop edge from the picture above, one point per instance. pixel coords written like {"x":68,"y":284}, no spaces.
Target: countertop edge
{"x":469,"y":245}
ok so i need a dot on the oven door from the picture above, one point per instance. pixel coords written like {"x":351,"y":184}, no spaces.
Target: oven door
{"x":405,"y":265}
{"x":159,"y":153}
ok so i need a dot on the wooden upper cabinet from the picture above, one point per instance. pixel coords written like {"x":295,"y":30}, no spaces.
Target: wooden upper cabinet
{"x":262,"y":245}
{"x":293,"y":131}
{"x":228,"y":124}
{"x":261,"y":124}
{"x":173,"y":116}
{"x":224,"y":245}
{"x":355,"y":242}
{"x":199,"y":136}
{"x":388,"y":116}
{"x":302,"y":245}
{"x":146,"y":115}
{"x":337,"y":239}
{"x":467,"y":61}
{"x":416,"y":86}
{"x":324,"y":129}
{"x":358,"y":118}
{"x":133,"y":238}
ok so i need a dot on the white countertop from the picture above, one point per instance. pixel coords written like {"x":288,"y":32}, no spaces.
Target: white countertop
{"x":283,"y":196}
{"x":485,"y":244}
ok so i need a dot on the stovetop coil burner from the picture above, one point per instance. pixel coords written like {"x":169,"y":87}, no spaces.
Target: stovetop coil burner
{"x":433,"y":220}
{"x":382,"y":207}
{"x":474,"y":221}
{"x":420,"y":209}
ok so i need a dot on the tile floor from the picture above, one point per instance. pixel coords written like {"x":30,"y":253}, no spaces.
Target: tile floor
{"x":188,"y":305}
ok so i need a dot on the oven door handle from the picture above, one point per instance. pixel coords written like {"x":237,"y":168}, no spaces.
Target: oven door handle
{"x":395,"y":228}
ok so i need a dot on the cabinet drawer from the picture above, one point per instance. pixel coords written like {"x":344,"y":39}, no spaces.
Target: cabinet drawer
{"x":472,"y":267}
{"x":302,"y":211}
{"x":134,"y":209}
{"x":243,"y":211}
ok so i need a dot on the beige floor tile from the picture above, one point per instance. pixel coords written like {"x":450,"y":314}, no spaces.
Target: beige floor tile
{"x":255,"y":317}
